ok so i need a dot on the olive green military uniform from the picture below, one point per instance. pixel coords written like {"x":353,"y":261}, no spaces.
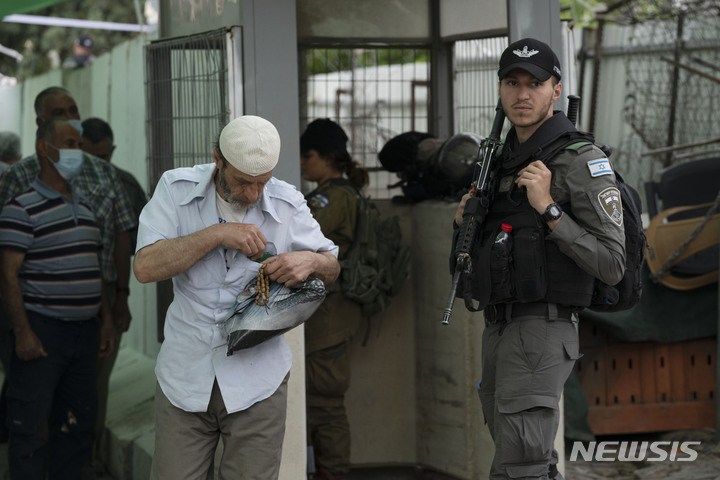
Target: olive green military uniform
{"x":528,"y":355}
{"x":327,"y":332}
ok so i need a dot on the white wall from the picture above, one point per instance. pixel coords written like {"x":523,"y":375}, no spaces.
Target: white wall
{"x":458,"y":18}
{"x":10,"y":101}
{"x":113,"y":89}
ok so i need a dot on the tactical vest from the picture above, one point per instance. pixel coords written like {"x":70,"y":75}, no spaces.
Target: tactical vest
{"x":536,"y":270}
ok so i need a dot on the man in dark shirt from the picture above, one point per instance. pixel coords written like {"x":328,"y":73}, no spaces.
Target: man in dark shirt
{"x":98,"y":140}
{"x":52,"y":291}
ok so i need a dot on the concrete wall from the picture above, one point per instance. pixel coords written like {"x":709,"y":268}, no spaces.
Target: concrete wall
{"x":451,"y":434}
{"x":382,"y":400}
{"x":11,"y":105}
{"x":413,"y":398}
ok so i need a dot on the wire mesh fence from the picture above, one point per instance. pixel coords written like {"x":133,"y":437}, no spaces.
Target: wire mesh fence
{"x":187,"y":100}
{"x":672,"y":84}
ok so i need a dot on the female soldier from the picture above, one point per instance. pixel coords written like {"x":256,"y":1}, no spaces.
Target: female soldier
{"x":324,"y":159}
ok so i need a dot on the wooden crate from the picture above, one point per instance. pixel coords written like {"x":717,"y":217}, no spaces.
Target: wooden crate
{"x":634,"y":387}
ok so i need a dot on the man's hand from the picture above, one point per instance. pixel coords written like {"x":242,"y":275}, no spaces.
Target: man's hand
{"x":121,"y":313}
{"x":290,"y":268}
{"x":27,"y":345}
{"x":245,"y":237}
{"x":536,"y":179}
{"x":107,"y":336}
{"x":461,"y":209}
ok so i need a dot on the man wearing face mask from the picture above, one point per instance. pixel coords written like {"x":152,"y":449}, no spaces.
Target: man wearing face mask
{"x":98,"y":182}
{"x":51,"y":285}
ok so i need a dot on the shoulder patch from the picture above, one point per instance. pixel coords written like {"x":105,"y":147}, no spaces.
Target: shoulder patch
{"x":579,"y":146}
{"x":612,"y":206}
{"x":318,"y":201}
{"x":599,"y":166}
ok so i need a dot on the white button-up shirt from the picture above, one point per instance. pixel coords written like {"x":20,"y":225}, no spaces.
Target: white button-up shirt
{"x":194,"y":351}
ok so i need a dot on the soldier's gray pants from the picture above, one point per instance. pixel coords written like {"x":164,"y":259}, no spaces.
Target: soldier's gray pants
{"x":526,"y":361}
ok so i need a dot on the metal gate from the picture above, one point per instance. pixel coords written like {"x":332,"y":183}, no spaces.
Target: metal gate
{"x":193,"y":86}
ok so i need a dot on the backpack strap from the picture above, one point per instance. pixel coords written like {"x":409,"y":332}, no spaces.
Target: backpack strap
{"x":576,"y":145}
{"x":572,"y":143}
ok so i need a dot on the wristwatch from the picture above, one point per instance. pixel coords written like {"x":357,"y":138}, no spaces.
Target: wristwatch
{"x":552,"y":212}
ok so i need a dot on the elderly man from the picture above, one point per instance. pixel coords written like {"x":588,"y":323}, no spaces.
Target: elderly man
{"x":52,"y":293}
{"x":206,"y":227}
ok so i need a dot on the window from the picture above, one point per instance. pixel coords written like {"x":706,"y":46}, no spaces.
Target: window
{"x":374,"y":94}
{"x":476,"y":90}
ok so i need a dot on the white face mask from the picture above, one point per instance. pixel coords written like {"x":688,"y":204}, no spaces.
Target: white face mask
{"x":70,"y":162}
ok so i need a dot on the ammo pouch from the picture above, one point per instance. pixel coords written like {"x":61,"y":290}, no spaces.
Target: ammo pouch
{"x":533,"y":270}
{"x":502,"y":275}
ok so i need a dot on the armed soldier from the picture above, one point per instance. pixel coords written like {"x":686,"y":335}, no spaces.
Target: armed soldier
{"x":562,"y":202}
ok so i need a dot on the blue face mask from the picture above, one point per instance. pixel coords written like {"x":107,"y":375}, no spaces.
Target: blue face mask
{"x":77,"y":124}
{"x":70,"y":162}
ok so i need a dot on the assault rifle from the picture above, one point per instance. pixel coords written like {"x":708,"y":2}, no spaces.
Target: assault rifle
{"x":476,"y":207}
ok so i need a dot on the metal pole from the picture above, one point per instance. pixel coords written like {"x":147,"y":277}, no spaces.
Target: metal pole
{"x":717,"y":368}
{"x":675,"y":85}
{"x":596,"y":72}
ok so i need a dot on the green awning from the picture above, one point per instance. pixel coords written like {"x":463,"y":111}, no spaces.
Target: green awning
{"x":9,"y":7}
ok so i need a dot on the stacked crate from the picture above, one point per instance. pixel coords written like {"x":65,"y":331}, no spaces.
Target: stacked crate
{"x":633,"y":387}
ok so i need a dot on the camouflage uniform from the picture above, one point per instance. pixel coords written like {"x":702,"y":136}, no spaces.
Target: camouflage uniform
{"x":327,"y":334}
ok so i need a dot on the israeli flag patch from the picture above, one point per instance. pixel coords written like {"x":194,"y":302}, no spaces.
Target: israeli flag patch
{"x":319,"y":201}
{"x":599,"y":167}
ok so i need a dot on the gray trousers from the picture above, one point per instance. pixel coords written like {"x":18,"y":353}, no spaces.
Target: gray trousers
{"x":526,"y":361}
{"x":185,"y":442}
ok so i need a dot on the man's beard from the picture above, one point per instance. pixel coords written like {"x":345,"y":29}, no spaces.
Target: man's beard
{"x":537,"y":117}
{"x":225,"y":191}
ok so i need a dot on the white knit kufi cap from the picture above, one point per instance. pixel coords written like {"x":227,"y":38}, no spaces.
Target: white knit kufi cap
{"x":251,"y":144}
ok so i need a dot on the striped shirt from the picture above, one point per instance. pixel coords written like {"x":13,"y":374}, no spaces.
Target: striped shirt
{"x":99,"y":184}
{"x":60,"y":275}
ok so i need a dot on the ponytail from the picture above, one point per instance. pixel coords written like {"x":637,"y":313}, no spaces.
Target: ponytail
{"x":357,"y":175}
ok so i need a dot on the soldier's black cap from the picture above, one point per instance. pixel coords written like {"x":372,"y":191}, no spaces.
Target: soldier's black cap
{"x":531,"y":55}
{"x":323,"y":135}
{"x":84,"y":41}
